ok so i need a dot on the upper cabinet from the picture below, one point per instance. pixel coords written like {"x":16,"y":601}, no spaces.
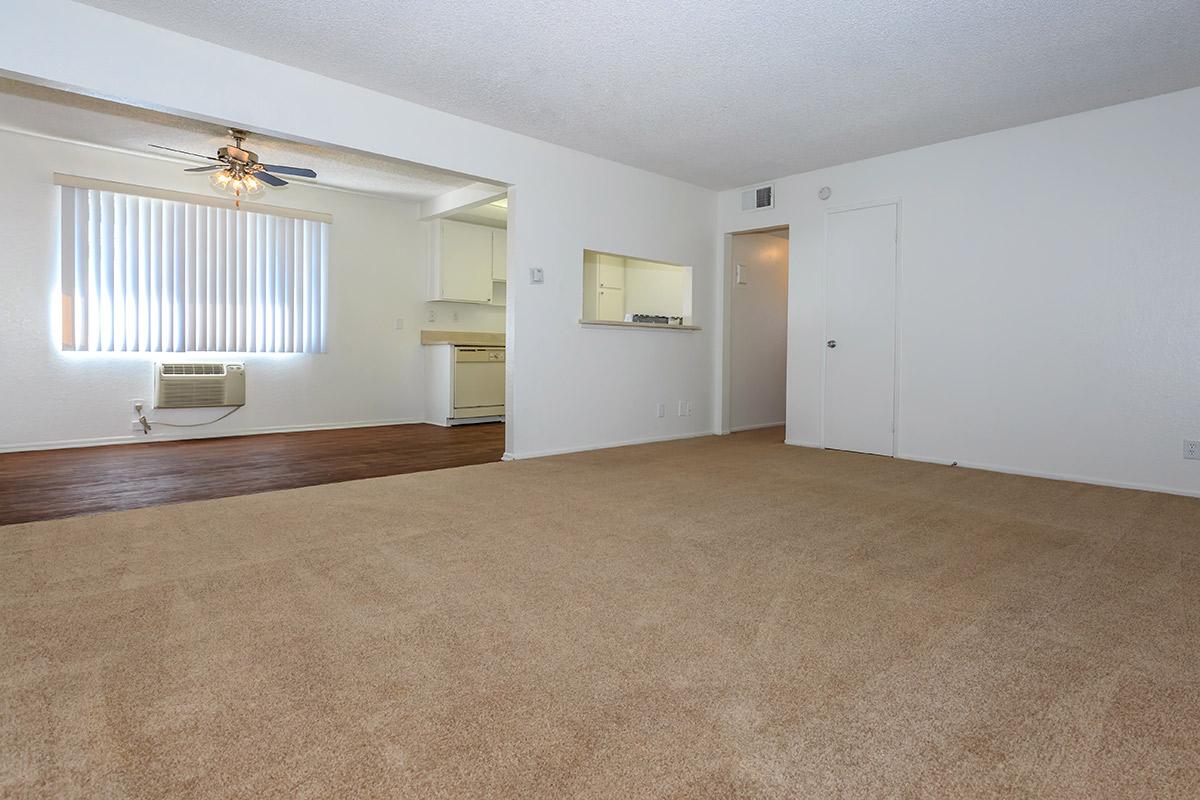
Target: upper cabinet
{"x":464,"y":261}
{"x":499,"y":255}
{"x":610,"y":271}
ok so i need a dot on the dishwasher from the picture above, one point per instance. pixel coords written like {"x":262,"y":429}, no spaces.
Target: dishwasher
{"x":478,"y":383}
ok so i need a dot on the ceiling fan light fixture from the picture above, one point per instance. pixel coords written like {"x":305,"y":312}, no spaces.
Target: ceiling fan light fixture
{"x":236,"y":184}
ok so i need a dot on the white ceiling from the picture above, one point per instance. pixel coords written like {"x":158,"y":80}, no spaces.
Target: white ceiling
{"x":35,"y":109}
{"x":725,"y":94}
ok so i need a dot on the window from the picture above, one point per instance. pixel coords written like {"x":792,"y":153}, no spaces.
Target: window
{"x":152,"y":271}
{"x":635,"y":291}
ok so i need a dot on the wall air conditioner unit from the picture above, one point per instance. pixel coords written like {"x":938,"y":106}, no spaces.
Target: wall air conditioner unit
{"x":199,"y":385}
{"x":758,"y":198}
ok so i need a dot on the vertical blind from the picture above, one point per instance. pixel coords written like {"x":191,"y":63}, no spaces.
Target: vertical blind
{"x":153,"y":274}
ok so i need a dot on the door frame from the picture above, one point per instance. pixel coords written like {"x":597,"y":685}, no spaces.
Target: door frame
{"x":722,"y":421}
{"x":896,"y":349}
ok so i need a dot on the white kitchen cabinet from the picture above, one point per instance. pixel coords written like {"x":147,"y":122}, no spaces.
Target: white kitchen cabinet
{"x":603,"y":286}
{"x":499,"y":255}
{"x":610,"y":271}
{"x":610,"y":304}
{"x":462,"y":262}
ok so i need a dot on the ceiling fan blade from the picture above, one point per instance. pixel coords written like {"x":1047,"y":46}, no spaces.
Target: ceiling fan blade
{"x":205,"y":168}
{"x":268,"y":178}
{"x":185,"y":152}
{"x":297,"y":171}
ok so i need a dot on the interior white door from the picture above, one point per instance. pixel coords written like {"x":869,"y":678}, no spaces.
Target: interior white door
{"x":860,"y":323}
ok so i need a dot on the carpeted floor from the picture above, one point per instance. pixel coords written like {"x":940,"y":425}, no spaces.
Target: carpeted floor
{"x":714,"y":618}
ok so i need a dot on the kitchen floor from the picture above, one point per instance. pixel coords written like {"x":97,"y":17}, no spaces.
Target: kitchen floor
{"x":50,"y":484}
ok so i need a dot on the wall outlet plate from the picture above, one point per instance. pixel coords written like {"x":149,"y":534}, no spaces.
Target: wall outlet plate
{"x":1191,"y":449}
{"x":133,"y":406}
{"x":430,"y":315}
{"x":536,"y":275}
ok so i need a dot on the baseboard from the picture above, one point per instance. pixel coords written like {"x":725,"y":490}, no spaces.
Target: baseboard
{"x":1055,"y":476}
{"x":605,"y":446}
{"x":138,"y":438}
{"x":802,"y":443}
{"x":757,"y":426}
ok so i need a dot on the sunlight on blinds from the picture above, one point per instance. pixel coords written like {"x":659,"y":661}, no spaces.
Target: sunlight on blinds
{"x":142,"y":274}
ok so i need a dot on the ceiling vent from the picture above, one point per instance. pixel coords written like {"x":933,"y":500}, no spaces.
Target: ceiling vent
{"x":758,"y":198}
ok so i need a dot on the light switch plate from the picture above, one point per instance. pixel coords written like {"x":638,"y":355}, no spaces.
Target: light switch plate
{"x":661,"y":410}
{"x":740,"y":272}
{"x":536,"y":275}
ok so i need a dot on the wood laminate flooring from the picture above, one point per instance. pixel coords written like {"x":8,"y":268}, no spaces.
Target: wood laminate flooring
{"x":50,"y":484}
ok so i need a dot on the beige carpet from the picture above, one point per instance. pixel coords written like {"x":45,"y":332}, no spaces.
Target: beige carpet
{"x":715,"y":618}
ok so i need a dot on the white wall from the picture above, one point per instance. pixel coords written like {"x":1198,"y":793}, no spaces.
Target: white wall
{"x":1050,"y":293}
{"x":371,"y":374}
{"x":758,"y":335}
{"x":569,"y":387}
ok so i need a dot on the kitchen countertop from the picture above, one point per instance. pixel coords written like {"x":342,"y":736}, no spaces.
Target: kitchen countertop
{"x":464,"y":338}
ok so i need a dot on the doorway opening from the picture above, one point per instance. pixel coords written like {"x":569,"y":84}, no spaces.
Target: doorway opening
{"x":757,"y":330}
{"x":262,"y":285}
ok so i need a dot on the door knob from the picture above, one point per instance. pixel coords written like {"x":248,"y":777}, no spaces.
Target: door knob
{"x":832,"y":343}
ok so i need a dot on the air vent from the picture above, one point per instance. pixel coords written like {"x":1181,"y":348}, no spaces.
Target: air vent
{"x":758,"y":198}
{"x":184,"y":385}
{"x":193,"y":369}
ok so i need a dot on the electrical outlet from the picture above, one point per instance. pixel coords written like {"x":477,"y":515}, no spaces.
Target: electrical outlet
{"x":687,"y":408}
{"x":454,"y":315}
{"x":1191,"y":450}
{"x":137,"y":406}
{"x":431,"y":315}
{"x":661,"y":410}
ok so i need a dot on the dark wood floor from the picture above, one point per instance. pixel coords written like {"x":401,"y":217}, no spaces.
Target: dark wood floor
{"x":48,"y":484}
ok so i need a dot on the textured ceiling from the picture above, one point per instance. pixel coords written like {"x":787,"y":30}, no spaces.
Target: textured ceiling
{"x":63,"y":115}
{"x":725,"y":94}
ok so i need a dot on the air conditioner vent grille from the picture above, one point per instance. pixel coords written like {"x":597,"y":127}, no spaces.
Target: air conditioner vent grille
{"x":193,"y":369}
{"x":192,"y":395}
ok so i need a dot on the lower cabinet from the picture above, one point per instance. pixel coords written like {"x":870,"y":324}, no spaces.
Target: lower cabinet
{"x":463,"y":383}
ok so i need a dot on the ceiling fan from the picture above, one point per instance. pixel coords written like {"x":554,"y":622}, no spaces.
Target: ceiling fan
{"x":240,"y":171}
